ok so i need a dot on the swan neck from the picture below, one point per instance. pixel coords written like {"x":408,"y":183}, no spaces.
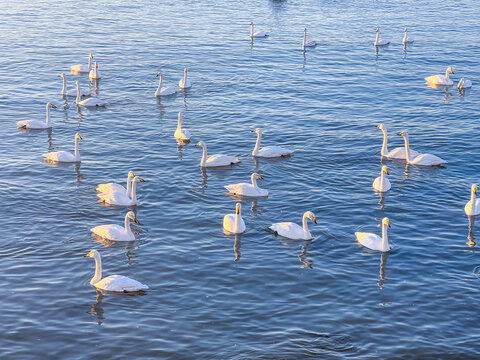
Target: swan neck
{"x":385,"y":246}
{"x":77,"y":99}
{"x":64,"y":85}
{"x":133,"y":194}
{"x":204,"y":155}
{"x":473,"y":200}
{"x":128,"y":229}
{"x":305,"y":226}
{"x":159,"y":85}
{"x":447,"y":74}
{"x":179,"y":123}
{"x":77,"y":152}
{"x":47,"y":120}
{"x":98,"y":270}
{"x":251,"y":30}
{"x":304,"y":39}
{"x":377,"y":37}
{"x":382,"y":179}
{"x":254,"y":181}
{"x":89,"y":63}
{"x":385,"y":143}
{"x":185,"y":79}
{"x":129,"y":185}
{"x":257,"y":144}
{"x":407,"y":148}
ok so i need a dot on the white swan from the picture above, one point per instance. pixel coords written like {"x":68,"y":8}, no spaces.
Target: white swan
{"x":306,"y":43}
{"x":268,"y":151}
{"x":184,"y":83}
{"x":464,"y":84}
{"x":379,"y":41}
{"x":116,"y":232}
{"x":423,"y":159}
{"x":108,"y":187}
{"x":121,"y":198}
{"x":373,"y":241}
{"x":397,"y":153}
{"x":118,"y":283}
{"x":164,"y":91}
{"x":473,"y":206}
{"x":73,"y":92}
{"x":441,"y":79}
{"x":293,"y":231}
{"x":406,"y":39}
{"x":79,"y":68}
{"x":180,"y":133}
{"x":37,"y":124}
{"x":90,"y":102}
{"x":258,"y":34}
{"x":234,"y":223}
{"x":246,"y":189}
{"x":382,"y":183}
{"x":65,"y":156}
{"x":94,"y":74}
{"x":217,"y":159}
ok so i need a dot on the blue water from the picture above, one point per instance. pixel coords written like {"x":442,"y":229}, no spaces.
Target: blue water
{"x":217,"y":296}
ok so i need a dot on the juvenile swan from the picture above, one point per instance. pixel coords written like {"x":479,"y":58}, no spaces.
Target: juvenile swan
{"x":164,"y":91}
{"x":423,"y":159}
{"x":473,"y":206}
{"x":382,"y":183}
{"x":379,"y":41}
{"x":37,"y":124}
{"x":441,"y":79}
{"x":268,"y":151}
{"x":234,"y":223}
{"x":65,"y":156}
{"x":116,"y":232}
{"x":373,"y":241}
{"x":293,"y":231}
{"x":117,"y":283}
{"x":217,"y":159}
{"x":121,"y":198}
{"x":397,"y":153}
{"x":180,"y":133}
{"x":108,"y":187}
{"x":246,"y":189}
{"x":80,"y":68}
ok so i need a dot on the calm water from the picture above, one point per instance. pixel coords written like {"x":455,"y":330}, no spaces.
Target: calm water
{"x":215,"y":296}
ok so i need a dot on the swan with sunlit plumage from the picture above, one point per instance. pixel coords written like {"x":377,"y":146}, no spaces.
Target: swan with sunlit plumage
{"x":268,"y":151}
{"x":114,"y":187}
{"x":217,"y":159}
{"x":233,"y":223}
{"x":422,"y":159}
{"x":121,"y":198}
{"x":185,"y":83}
{"x":397,"y":153}
{"x":306,"y":43}
{"x":473,"y":206}
{"x":116,"y":232}
{"x":373,"y":241}
{"x":81,"y":68}
{"x":379,"y":41}
{"x":90,"y":102}
{"x":257,"y":34}
{"x":181,"y":133}
{"x":95,"y":74}
{"x":65,"y":156}
{"x":382,"y":183}
{"x":407,"y":39}
{"x":293,"y":231}
{"x":164,"y":90}
{"x":38,"y":124}
{"x":246,"y":189}
{"x":464,"y":84}
{"x":117,"y":283}
{"x":441,"y":79}
{"x":72,"y":92}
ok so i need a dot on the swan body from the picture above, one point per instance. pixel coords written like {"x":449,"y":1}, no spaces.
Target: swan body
{"x":379,"y":41}
{"x":473,"y":206}
{"x":306,"y":43}
{"x":397,"y":153}
{"x":164,"y":91}
{"x":234,"y":223}
{"x":37,"y":124}
{"x":180,"y":133}
{"x":258,"y":34}
{"x":382,"y":183}
{"x":94,"y":74}
{"x":373,"y":241}
{"x":73,"y":92}
{"x":121,"y":198}
{"x":268,"y":151}
{"x":90,"y":102}
{"x":293,"y":231}
{"x":246,"y":189}
{"x":79,"y":68}
{"x":407,"y":39}
{"x":118,"y":283}
{"x":217,"y":159}
{"x":441,"y":79}
{"x":464,"y":83}
{"x":422,"y":159}
{"x":65,"y":156}
{"x":184,"y":83}
{"x":116,"y":232}
{"x":114,"y":187}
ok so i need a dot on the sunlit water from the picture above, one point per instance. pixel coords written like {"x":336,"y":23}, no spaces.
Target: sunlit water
{"x":254,"y":296}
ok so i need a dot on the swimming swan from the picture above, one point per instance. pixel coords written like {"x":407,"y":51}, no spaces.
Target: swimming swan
{"x":423,"y":159}
{"x":180,"y":133}
{"x":441,"y":79}
{"x":94,"y":74}
{"x":79,"y":68}
{"x":379,"y":41}
{"x":473,"y":206}
{"x":268,"y":151}
{"x":90,"y":102}
{"x":397,"y":153}
{"x":184,"y":83}
{"x":72,"y":92}
{"x":120,"y":198}
{"x":116,"y":232}
{"x":164,"y":91}
{"x":293,"y":231}
{"x":118,"y":283}
{"x":234,"y":223}
{"x":406,"y":39}
{"x":306,"y":43}
{"x":464,"y":84}
{"x":246,"y":189}
{"x":108,"y":187}
{"x":65,"y":156}
{"x":217,"y":159}
{"x":37,"y":124}
{"x":258,"y":34}
{"x":382,"y":183}
{"x":373,"y":241}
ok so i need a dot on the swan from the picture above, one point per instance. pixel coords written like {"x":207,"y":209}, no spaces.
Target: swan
{"x":397,"y":153}
{"x":464,"y":84}
{"x":422,"y":159}
{"x":382,"y":183}
{"x":65,"y":156}
{"x":94,"y":74}
{"x":473,"y":206}
{"x":37,"y":124}
{"x":117,"y":283}
{"x":373,"y":241}
{"x":116,"y":232}
{"x":379,"y":41}
{"x":90,"y":102}
{"x":269,"y":151}
{"x":215,"y":160}
{"x":109,"y":187}
{"x":73,"y":92}
{"x":306,"y":43}
{"x":164,"y":91}
{"x":184,"y":83}
{"x":79,"y":68}
{"x":258,"y":34}
{"x":234,"y":223}
{"x":440,"y":79}
{"x":293,"y":231}
{"x":181,"y":134}
{"x":406,"y":39}
{"x":121,"y":198}
{"x":246,"y":189}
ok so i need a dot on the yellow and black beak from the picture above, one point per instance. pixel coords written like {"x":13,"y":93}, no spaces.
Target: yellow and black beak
{"x":388,"y":223}
{"x":400,"y":133}
{"x":80,"y":137}
{"x":260,"y":177}
{"x":53,"y":106}
{"x":254,"y":130}
{"x":141,"y":180}
{"x":386,"y":171}
{"x":378,"y":126}
{"x":238,"y":210}
{"x":314,"y":220}
{"x":86,"y":255}
{"x":158,"y":74}
{"x":197,"y":144}
{"x":135,"y":220}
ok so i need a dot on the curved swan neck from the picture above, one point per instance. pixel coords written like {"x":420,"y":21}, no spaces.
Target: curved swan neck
{"x":133,"y":194}
{"x":385,"y":245}
{"x":305,"y":226}
{"x":254,"y":180}
{"x":407,"y":148}
{"x":385,"y":143}
{"x":179,"y":123}
{"x":77,"y":151}
{"x":128,"y":229}
{"x":447,"y":73}
{"x":129,"y":184}
{"x":64,"y":86}
{"x":47,"y":120}
{"x":77,"y":99}
{"x":257,"y":144}
{"x":204,"y":155}
{"x":98,"y":269}
{"x":159,"y":88}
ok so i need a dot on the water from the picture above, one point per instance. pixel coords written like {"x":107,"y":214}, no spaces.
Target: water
{"x":327,"y":298}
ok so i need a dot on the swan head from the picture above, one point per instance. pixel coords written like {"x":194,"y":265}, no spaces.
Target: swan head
{"x":382,"y":127}
{"x":403,"y":133}
{"x":310,"y":215}
{"x":405,"y":29}
{"x":159,"y":74}
{"x":131,"y":174}
{"x":61,"y":75}
{"x":185,"y":71}
{"x":474,"y":189}
{"x":378,"y":30}
{"x":258,"y":131}
{"x":77,"y":136}
{"x":385,"y":170}
{"x":92,"y":253}
{"x":450,"y":70}
{"x":200,"y":143}
{"x":251,"y":23}
{"x":138,"y":179}
{"x":258,"y":176}
{"x":90,"y":56}
{"x":386,"y":222}
{"x":238,"y":208}
{"x":131,"y":215}
{"x":50,"y":105}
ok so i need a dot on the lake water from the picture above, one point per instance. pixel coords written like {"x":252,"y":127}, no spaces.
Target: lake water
{"x":217,"y":296}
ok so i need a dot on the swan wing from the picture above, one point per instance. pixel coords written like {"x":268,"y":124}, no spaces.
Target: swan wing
{"x":108,"y":187}
{"x":369,"y":240}
{"x":400,"y":153}
{"x":439,"y":80}
{"x":182,"y":134}
{"x":427,"y":160}
{"x":33,"y":124}
{"x":168,"y":90}
{"x":92,"y":102}
{"x":60,"y":156}
{"x":79,"y":68}
{"x":260,"y":34}
{"x":120,"y":283}
{"x":469,"y":210}
{"x":221,"y":160}
{"x":111,"y":232}
{"x":116,"y":198}
{"x":289,"y":230}
{"x":273,"y":151}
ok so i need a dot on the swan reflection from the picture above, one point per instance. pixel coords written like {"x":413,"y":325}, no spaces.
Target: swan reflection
{"x":471,"y":239}
{"x":304,"y":257}
{"x":382,"y":196}
{"x":236,"y":246}
{"x":383,"y":263}
{"x":96,"y":308}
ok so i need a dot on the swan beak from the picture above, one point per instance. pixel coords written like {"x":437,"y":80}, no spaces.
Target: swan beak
{"x":475,"y":191}
{"x":53,"y":106}
{"x":378,"y":126}
{"x":80,"y":137}
{"x":158,"y":74}
{"x":87,"y":255}
{"x":260,"y":177}
{"x":197,"y":144}
{"x":386,"y":172}
{"x":314,"y":220}
{"x":141,"y":180}
{"x":136,"y":221}
{"x":388,"y":223}
{"x":399,"y":134}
